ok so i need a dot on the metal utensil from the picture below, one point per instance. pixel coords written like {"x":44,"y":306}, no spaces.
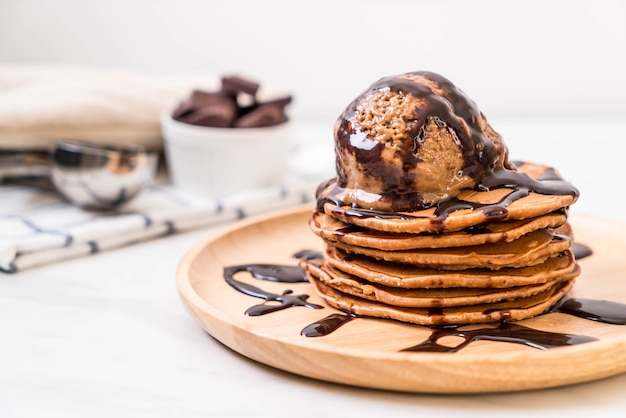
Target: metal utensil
{"x":101,"y":176}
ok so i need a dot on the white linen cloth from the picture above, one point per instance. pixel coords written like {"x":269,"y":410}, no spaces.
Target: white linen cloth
{"x":39,"y":227}
{"x":40,"y":104}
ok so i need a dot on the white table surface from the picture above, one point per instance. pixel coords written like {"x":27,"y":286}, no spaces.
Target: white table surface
{"x":107,"y":335}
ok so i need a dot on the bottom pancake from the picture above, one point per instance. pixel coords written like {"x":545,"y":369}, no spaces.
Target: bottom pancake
{"x":515,"y":310}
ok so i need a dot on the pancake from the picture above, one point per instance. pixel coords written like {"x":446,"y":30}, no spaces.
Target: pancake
{"x":482,"y":207}
{"x":515,"y":310}
{"x":411,"y":277}
{"x":332,"y":229}
{"x":531,"y":249}
{"x":423,"y":297}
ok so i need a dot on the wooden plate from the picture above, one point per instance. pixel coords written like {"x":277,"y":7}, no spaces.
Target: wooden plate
{"x":369,"y":352}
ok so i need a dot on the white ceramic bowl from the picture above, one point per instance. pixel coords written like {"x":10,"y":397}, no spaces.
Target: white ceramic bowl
{"x":218,"y":162}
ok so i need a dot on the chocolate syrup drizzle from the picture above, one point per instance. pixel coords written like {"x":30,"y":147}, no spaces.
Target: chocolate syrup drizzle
{"x":594,"y":310}
{"x":505,"y":332}
{"x":327,"y":325}
{"x":275,"y":273}
{"x":484,"y":160}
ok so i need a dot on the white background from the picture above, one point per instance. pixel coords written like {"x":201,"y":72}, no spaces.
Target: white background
{"x":529,"y":59}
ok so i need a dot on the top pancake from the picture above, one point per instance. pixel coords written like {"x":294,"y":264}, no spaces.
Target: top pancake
{"x":529,"y":206}
{"x":334,"y":230}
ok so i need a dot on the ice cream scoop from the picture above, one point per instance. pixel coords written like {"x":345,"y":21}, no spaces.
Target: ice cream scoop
{"x":412,"y":140}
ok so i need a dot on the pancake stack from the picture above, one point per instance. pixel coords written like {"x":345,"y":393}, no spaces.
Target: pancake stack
{"x":417,"y":228}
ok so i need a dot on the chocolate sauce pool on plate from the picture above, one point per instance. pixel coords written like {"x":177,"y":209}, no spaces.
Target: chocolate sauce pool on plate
{"x":594,"y":310}
{"x":505,"y":332}
{"x":327,"y":325}
{"x":580,"y":250}
{"x":275,"y":273}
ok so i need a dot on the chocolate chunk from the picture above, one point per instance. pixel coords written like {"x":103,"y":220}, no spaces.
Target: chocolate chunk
{"x":219,"y":115}
{"x":235,"y":85}
{"x":207,"y":109}
{"x":201,"y":98}
{"x":196,"y":100}
{"x":280,"y":102}
{"x":183,"y":109}
{"x":263,"y":115}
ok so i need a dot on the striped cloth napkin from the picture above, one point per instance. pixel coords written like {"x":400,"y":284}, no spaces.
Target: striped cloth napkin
{"x":38,"y":226}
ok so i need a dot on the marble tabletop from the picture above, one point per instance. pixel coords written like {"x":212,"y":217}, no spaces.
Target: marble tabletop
{"x":107,"y":335}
